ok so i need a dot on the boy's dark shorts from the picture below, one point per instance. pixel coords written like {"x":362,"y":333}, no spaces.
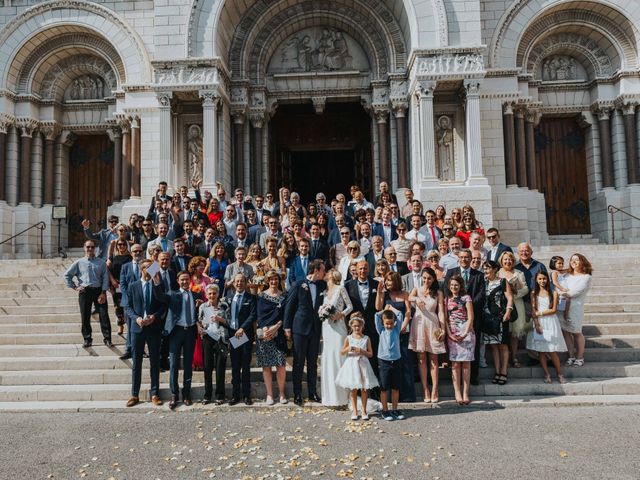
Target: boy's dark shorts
{"x":389,"y":373}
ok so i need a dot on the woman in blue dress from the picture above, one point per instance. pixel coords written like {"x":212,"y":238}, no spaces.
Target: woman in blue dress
{"x":217,"y":264}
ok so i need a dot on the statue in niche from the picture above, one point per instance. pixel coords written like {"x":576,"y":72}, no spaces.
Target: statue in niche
{"x":330,"y":52}
{"x":194,"y":153}
{"x":444,"y":135}
{"x":87,"y":87}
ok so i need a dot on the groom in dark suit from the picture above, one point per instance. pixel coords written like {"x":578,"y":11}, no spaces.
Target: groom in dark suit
{"x":301,"y":322}
{"x":474,"y":285}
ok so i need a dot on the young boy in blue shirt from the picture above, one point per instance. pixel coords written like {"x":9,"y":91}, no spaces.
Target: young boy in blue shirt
{"x":389,"y":322}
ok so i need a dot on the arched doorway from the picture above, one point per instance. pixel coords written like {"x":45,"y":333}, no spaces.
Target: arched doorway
{"x":325,"y":152}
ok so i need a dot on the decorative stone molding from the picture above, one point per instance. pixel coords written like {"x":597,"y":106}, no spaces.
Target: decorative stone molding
{"x":5,"y":122}
{"x":319,"y":104}
{"x":26,"y":125}
{"x":114,"y":132}
{"x":67,"y":138}
{"x":399,"y":108}
{"x":75,"y":66}
{"x":50,"y":129}
{"x":450,"y":65}
{"x":238,"y":117}
{"x":164,"y":99}
{"x":257,"y":119}
{"x":123,"y":122}
{"x":381,"y":114}
{"x":603,"y":113}
{"x":424,"y":88}
{"x":398,"y":90}
{"x":210,"y":98}
{"x":239,"y":95}
{"x":182,"y":75}
{"x":472,"y":88}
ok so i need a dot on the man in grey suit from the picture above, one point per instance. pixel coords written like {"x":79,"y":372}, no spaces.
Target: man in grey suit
{"x":414,"y":277}
{"x":273,"y":230}
{"x":162,"y":240}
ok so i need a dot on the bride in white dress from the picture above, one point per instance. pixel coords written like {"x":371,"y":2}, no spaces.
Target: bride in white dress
{"x":334,"y":331}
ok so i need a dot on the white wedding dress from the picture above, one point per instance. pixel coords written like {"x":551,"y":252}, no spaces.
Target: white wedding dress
{"x":333,"y":336}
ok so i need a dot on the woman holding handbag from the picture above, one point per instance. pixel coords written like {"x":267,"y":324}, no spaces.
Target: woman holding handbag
{"x":498,"y":308}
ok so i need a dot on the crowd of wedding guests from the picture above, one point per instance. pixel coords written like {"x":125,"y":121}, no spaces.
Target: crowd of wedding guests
{"x":393,"y":291}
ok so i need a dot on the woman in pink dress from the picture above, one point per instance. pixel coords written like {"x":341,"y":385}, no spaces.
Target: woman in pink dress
{"x":427,"y":330}
{"x":198,"y":284}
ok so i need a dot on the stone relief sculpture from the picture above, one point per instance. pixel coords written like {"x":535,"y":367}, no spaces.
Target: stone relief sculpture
{"x":444,"y":136}
{"x":87,"y":87}
{"x":558,"y":68}
{"x":318,"y":49}
{"x":194,"y":153}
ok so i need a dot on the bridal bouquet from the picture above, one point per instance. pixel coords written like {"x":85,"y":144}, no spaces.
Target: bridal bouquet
{"x":325,"y":312}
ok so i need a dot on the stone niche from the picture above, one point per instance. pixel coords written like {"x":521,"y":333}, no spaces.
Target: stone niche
{"x":87,"y":87}
{"x":318,"y":49}
{"x":561,"y":68}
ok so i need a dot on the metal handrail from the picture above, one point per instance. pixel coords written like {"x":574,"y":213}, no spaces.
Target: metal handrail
{"x":40,"y":226}
{"x":613,"y":210}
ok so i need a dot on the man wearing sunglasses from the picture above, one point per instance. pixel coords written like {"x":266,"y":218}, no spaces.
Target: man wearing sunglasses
{"x":104,"y":237}
{"x":89,"y":277}
{"x":497,"y":247}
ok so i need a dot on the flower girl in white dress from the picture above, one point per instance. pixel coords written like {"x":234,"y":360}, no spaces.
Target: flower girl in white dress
{"x":356,"y":372}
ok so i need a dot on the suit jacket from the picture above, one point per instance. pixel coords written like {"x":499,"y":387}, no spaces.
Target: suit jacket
{"x":201,"y":249}
{"x":394,"y":199}
{"x":401,"y":268}
{"x":152,"y":206}
{"x":368,"y":311}
{"x":127,"y":277}
{"x":321,"y":251}
{"x":247,"y":315}
{"x":300,"y":313}
{"x":407,"y":282}
{"x":501,"y":248}
{"x":263,"y":238}
{"x":175,"y":264}
{"x":158,"y":241}
{"x":135,"y":309}
{"x":173,"y":301}
{"x":254,"y":232}
{"x":475,"y":289}
{"x":190,"y":244}
{"x":173,"y":282}
{"x":378,"y":229}
{"x":428,"y":239}
{"x":296,"y":272}
{"x":231,"y":247}
{"x":371,"y":260}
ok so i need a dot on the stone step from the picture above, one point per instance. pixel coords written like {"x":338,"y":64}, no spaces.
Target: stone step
{"x":613,"y":307}
{"x":611,"y":329}
{"x":514,"y":388}
{"x":613,"y":341}
{"x":72,"y":317}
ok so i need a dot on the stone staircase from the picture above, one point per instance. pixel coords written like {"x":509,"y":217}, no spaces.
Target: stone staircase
{"x":42,"y":359}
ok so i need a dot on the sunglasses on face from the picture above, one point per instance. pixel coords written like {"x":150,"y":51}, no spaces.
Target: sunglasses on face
{"x":90,"y":247}
{"x":136,"y":251}
{"x":491,"y":237}
{"x":432,"y":258}
{"x":122,"y":244}
{"x":344,"y":233}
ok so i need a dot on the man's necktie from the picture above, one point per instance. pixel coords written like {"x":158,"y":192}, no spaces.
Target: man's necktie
{"x":136,"y":272}
{"x":304,"y":265}
{"x":147,"y":298}
{"x":236,"y":311}
{"x":433,"y":235}
{"x":164,"y":244}
{"x":465,"y":277}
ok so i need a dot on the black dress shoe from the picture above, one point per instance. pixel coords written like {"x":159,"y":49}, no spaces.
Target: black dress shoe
{"x":173,"y":402}
{"x":125,"y":356}
{"x":248,"y":401}
{"x":87,"y":344}
{"x":234,"y":401}
{"x":187,"y":401}
{"x":108,"y":342}
{"x":220,"y":401}
{"x":315,"y":398}
{"x":206,"y":401}
{"x":298,"y":401}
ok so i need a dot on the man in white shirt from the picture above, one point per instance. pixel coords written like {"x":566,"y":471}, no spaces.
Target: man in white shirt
{"x":365,"y":238}
{"x":431,"y":231}
{"x":230,"y":220}
{"x":416,"y":232}
{"x":497,"y":247}
{"x":450,"y":260}
{"x":413,"y":279}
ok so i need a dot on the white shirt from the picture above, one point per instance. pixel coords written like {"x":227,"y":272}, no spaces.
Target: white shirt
{"x":363,"y":291}
{"x":415,"y":235}
{"x":387,"y":235}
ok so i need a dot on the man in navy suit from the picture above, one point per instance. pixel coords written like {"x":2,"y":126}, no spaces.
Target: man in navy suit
{"x":129,"y":273}
{"x":243,"y":316}
{"x":143,"y":313}
{"x":303,"y":325}
{"x":318,"y":248}
{"x":181,"y":328}
{"x":180,"y":261}
{"x":386,"y":229}
{"x":497,"y":247}
{"x":300,"y":265}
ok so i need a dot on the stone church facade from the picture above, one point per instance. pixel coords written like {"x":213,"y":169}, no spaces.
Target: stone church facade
{"x":527,"y":109}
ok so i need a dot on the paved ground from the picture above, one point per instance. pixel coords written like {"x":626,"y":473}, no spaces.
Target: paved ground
{"x":522,"y":443}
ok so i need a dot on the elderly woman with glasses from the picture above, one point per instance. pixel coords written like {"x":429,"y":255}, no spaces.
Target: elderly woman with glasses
{"x":433,"y":257}
{"x":353,"y":254}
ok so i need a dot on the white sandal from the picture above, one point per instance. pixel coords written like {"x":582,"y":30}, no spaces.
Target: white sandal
{"x":570,"y":361}
{"x":578,"y":362}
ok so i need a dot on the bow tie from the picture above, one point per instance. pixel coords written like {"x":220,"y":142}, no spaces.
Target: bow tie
{"x":364,"y":284}
{"x":387,"y":224}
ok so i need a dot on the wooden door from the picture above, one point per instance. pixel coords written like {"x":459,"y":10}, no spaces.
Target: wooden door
{"x":327,"y":171}
{"x":90,"y":184}
{"x":562,"y":175}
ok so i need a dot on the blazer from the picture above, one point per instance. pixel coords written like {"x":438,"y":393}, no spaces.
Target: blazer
{"x":173,"y":281}
{"x":407,"y":282}
{"x":135,"y":309}
{"x":300,"y":314}
{"x":263,"y":238}
{"x":368,"y":311}
{"x":158,"y":241}
{"x":401,"y":268}
{"x":201,"y":250}
{"x":501,"y":248}
{"x":173,"y":301}
{"x":371,"y":260}
{"x":296,"y":272}
{"x":254,"y":233}
{"x":378,"y":229}
{"x":127,"y":277}
{"x":428,"y":242}
{"x":475,"y":289}
{"x":231,"y":248}
{"x":247,"y":315}
{"x":175,"y":263}
{"x":321,"y":251}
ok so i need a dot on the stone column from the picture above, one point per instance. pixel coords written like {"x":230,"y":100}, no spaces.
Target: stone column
{"x":116,"y":137}
{"x":606,"y":157}
{"x":61,"y":176}
{"x":126,"y":159}
{"x":26,"y":133}
{"x":257,"y":121}
{"x":37,"y":167}
{"x":3,"y":160}
{"x":427,"y":138}
{"x":400,"y":110}
{"x":473,"y":133}
{"x":238,"y":150}
{"x":630,"y":137}
{"x":164,"y":99}
{"x":50,"y":132}
{"x":381,"y":115}
{"x":509,"y":146}
{"x":135,"y":157}
{"x":13,"y":165}
{"x":521,"y":148}
{"x":532,"y":171}
{"x":210,"y":100}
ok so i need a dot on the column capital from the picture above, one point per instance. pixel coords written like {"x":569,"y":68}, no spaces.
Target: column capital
{"x":519,"y":111}
{"x":532,"y":116}
{"x":5,"y":122}
{"x":50,"y":130}
{"x":114,"y":132}
{"x":238,"y":116}
{"x":319,"y":104}
{"x":507,"y":108}
{"x":257,"y":119}
{"x":381,"y":114}
{"x":629,"y":108}
{"x":27,"y":125}
{"x":472,"y":87}
{"x":67,"y":138}
{"x":425,"y":89}
{"x":399,"y":108}
{"x":134,"y":121}
{"x":164,"y":99}
{"x":602,"y":110}
{"x":210,"y":98}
